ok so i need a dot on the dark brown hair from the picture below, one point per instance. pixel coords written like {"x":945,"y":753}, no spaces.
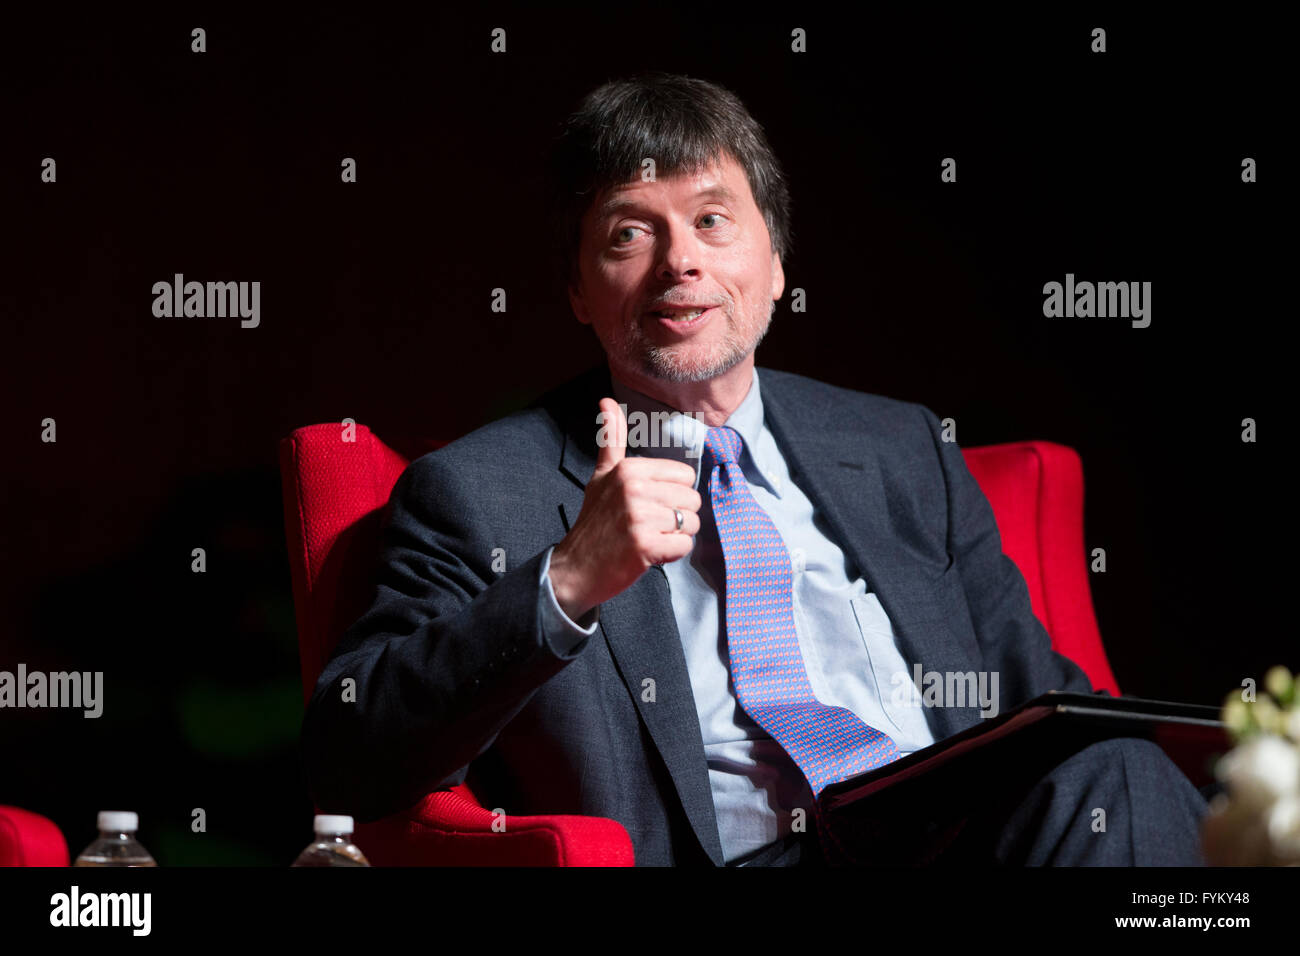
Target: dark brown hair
{"x":683,"y":124}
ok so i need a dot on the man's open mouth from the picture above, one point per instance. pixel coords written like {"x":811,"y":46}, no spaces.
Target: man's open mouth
{"x":681,"y":315}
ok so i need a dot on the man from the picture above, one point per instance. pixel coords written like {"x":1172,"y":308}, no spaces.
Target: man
{"x":695,"y":635}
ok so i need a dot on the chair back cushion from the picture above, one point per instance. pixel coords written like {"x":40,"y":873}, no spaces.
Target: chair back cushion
{"x":1036,"y":491}
{"x":336,"y":482}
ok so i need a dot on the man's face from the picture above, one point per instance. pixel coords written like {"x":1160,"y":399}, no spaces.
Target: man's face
{"x":688,"y":240}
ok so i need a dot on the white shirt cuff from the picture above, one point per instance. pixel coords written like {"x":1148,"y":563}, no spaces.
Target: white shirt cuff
{"x":558,"y":628}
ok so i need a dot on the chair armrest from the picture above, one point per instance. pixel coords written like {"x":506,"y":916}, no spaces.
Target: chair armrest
{"x":29,"y":839}
{"x":447,"y":828}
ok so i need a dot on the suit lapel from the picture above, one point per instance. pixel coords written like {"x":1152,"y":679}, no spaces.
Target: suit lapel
{"x":640,"y":629}
{"x":836,"y":457}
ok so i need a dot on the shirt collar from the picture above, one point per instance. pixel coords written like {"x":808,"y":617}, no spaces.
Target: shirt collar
{"x":681,"y":437}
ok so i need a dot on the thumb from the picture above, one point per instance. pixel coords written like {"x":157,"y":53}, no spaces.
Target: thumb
{"x":614,"y":433}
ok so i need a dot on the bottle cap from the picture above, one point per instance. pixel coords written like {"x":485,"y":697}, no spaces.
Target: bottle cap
{"x":332,"y":823}
{"x":120,"y":821}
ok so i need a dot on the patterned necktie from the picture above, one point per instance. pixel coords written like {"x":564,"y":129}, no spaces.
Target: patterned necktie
{"x":827,"y":743}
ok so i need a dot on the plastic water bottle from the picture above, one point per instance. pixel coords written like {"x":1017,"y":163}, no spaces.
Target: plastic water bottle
{"x":116,"y":845}
{"x":333,"y":846}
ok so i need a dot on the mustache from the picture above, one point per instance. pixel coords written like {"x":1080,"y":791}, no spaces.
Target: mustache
{"x":659,"y":304}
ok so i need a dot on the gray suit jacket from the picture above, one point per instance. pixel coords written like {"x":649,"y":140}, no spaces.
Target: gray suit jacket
{"x":454,"y":677}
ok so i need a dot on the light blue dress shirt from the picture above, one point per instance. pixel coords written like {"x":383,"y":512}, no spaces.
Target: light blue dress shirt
{"x":848,"y":644}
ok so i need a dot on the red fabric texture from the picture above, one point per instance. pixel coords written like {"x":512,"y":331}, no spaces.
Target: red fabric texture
{"x":450,"y":828}
{"x":1036,"y":491}
{"x":29,"y":839}
{"x":335,"y":490}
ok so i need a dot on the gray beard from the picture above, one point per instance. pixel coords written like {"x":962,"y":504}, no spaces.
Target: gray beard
{"x":659,"y":362}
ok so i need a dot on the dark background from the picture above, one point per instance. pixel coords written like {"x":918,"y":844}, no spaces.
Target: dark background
{"x":1123,"y":166}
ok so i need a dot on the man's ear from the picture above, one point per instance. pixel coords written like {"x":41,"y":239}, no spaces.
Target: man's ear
{"x":778,"y":277}
{"x":578,"y":305}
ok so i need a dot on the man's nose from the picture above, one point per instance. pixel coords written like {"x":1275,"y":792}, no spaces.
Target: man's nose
{"x":677,"y":255}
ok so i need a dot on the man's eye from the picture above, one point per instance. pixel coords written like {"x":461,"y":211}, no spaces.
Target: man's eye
{"x":626,"y":229}
{"x":711,"y":215}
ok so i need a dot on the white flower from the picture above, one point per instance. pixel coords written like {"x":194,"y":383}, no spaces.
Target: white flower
{"x":1261,"y":770}
{"x":1284,"y":828}
{"x":1293,"y":724}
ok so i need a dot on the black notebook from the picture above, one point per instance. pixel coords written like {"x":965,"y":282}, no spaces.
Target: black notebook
{"x":939,"y":785}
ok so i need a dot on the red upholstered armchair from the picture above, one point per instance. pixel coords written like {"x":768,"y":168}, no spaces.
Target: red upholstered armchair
{"x":29,"y":839}
{"x":335,"y":492}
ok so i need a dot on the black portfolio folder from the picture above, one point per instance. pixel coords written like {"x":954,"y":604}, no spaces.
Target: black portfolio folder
{"x":908,"y":809}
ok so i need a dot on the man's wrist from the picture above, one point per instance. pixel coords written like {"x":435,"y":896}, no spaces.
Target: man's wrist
{"x":564,"y":584}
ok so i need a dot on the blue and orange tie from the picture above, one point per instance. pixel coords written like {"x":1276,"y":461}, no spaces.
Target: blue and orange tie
{"x":827,"y":743}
